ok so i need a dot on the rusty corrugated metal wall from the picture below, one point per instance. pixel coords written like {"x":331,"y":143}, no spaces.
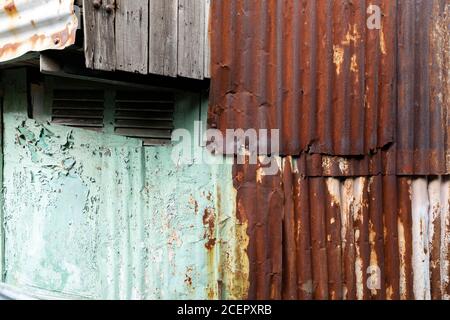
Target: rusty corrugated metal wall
{"x":364,"y":125}
{"x":317,"y":237}
{"x":332,"y":86}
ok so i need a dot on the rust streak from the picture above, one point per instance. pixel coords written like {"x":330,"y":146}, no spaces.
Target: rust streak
{"x":11,"y":9}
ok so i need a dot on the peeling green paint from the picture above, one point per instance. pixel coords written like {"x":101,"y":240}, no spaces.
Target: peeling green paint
{"x":100,"y":216}
{"x":2,"y":243}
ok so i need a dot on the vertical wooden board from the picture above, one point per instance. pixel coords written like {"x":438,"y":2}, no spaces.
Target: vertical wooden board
{"x":163,"y":37}
{"x":207,"y":33}
{"x":99,"y":35}
{"x":191,"y":39}
{"x":131,"y":27}
{"x":89,"y":25}
{"x":2,"y":240}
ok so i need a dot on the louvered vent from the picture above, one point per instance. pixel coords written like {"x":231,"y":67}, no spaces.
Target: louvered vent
{"x":146,"y":115}
{"x":78,"y":108}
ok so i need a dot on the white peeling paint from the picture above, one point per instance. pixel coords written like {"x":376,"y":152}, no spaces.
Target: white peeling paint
{"x":420,"y":247}
{"x":445,"y":239}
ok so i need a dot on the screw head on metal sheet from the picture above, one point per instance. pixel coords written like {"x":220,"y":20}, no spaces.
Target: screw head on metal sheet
{"x":97,"y":4}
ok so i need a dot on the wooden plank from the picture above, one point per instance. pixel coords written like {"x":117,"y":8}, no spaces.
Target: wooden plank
{"x":191,"y":39}
{"x":99,"y":34}
{"x":163,"y":37}
{"x":207,"y":33}
{"x":131,"y":36}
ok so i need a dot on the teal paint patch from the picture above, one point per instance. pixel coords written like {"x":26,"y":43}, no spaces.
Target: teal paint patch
{"x":100,"y":216}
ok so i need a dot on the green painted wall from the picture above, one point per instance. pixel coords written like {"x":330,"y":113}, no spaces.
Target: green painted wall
{"x":2,"y":260}
{"x":99,"y":216}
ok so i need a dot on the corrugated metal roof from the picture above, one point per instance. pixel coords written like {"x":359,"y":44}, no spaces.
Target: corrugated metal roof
{"x":35,"y":25}
{"x":332,"y":86}
{"x":314,"y":238}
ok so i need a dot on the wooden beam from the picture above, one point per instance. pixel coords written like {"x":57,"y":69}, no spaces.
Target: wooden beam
{"x":191,"y":39}
{"x":132,"y":36}
{"x":163,"y":37}
{"x":99,"y":35}
{"x":71,"y":65}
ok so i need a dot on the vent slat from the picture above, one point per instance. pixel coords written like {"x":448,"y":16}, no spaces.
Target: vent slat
{"x":156,"y":142}
{"x":144,"y":133}
{"x":78,"y":95}
{"x":145,"y":106}
{"x":78,"y":113}
{"x":143,"y":115}
{"x":78,"y":108}
{"x":78,"y":122}
{"x":147,"y":96}
{"x":143,"y":124}
{"x":71,"y":104}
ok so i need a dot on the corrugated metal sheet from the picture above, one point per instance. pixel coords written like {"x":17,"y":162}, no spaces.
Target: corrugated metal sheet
{"x":35,"y":25}
{"x":332,"y":86}
{"x":386,"y":162}
{"x":316,"y":237}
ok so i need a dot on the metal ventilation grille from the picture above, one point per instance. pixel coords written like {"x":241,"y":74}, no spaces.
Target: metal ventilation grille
{"x":79,"y":108}
{"x":145,"y":115}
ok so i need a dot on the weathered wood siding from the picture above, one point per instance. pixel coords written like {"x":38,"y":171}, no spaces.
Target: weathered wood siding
{"x":164,"y":37}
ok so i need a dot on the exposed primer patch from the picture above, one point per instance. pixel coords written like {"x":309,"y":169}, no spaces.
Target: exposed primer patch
{"x":358,"y":206}
{"x":344,"y":165}
{"x":382,"y":42}
{"x":234,"y":261}
{"x":338,"y":58}
{"x":445,"y":240}
{"x":259,"y":175}
{"x":326,"y":164}
{"x":294,"y":166}
{"x":389,"y":293}
{"x":402,"y":253}
{"x":333,"y":186}
{"x":354,"y":64}
{"x":373,"y":253}
{"x":351,"y":36}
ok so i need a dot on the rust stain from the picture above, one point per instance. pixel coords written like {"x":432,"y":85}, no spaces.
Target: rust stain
{"x":209,"y":222}
{"x":11,"y":9}
{"x":188,"y":277}
{"x":338,"y":58}
{"x":193,"y":203}
{"x":9,"y":49}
